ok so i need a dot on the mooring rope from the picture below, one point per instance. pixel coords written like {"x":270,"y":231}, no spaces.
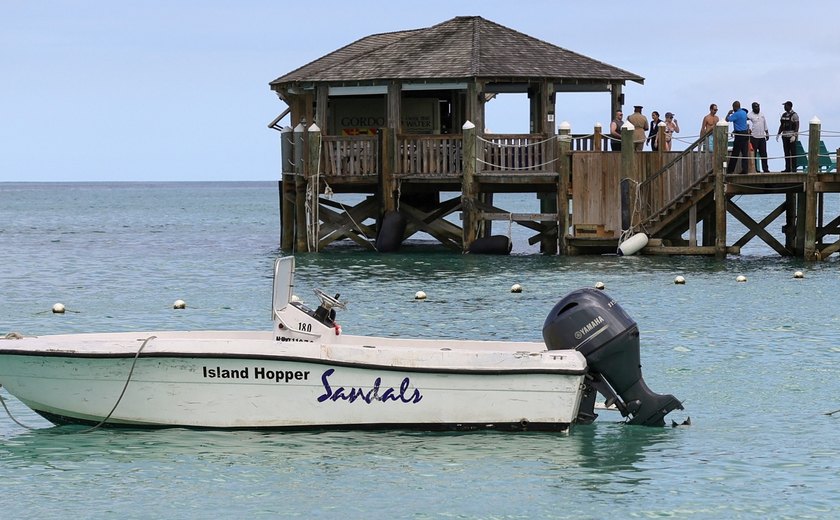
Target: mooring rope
{"x":125,"y":386}
{"x":119,"y":399}
{"x":12,"y":417}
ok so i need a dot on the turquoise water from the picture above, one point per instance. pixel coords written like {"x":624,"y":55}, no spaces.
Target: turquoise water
{"x":757,"y":363}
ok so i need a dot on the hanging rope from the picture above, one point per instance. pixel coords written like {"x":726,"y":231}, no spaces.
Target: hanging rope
{"x":103,"y":421}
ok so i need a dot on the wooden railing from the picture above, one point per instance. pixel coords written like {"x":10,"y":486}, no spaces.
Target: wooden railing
{"x":430,"y":155}
{"x":517,"y":152}
{"x":677,"y":177}
{"x":350,"y":155}
{"x":586,"y":142}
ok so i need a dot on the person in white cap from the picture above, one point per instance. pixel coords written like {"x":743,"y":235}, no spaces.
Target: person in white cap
{"x":759,"y":134}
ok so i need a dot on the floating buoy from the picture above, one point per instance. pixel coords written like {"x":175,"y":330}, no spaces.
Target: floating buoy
{"x":600,"y":286}
{"x":741,"y":278}
{"x":799,"y":274}
{"x":516,"y":288}
{"x":679,"y":280}
{"x":295,"y":298}
{"x":419,"y":295}
{"x":179,"y":304}
{"x":58,"y":308}
{"x":632,"y":245}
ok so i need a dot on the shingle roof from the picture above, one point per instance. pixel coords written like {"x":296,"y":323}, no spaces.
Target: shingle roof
{"x":460,"y":48}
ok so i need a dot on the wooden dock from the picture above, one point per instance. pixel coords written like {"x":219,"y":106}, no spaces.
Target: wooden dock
{"x":587,"y":197}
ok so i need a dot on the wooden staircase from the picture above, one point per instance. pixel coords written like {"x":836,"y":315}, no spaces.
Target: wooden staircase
{"x":667,"y":220}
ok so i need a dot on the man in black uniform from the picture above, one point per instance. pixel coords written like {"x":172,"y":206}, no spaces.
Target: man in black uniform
{"x":789,"y":131}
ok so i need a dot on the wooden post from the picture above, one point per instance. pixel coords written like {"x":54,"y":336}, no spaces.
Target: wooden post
{"x":469,"y":189}
{"x":564,"y":168}
{"x":313,"y":183}
{"x":300,"y":187}
{"x":388,"y":202}
{"x":549,"y":203}
{"x":287,"y":181}
{"x":628,"y":153}
{"x":810,"y":246}
{"x":790,"y":222}
{"x":720,"y":149}
{"x":660,"y":142}
{"x":628,"y":177}
{"x":597,"y":139}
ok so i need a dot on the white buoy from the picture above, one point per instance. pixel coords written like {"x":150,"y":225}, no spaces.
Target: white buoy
{"x":516,"y":288}
{"x":179,"y":304}
{"x":741,"y":278}
{"x":633,"y":244}
{"x":799,"y":274}
{"x":679,"y":280}
{"x":600,"y":286}
{"x":58,"y":308}
{"x":419,"y":295}
{"x":295,"y":298}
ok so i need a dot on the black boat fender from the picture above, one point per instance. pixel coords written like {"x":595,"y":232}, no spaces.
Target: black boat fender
{"x":492,"y":245}
{"x":391,"y":232}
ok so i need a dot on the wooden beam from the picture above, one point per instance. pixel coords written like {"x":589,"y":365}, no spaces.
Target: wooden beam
{"x":756,"y":228}
{"x":720,"y":148}
{"x":810,"y":246}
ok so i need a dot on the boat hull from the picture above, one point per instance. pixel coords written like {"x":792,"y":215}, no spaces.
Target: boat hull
{"x":185,"y":383}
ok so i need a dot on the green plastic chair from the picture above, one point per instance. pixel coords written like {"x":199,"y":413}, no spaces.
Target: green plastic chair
{"x":827,"y":164}
{"x":801,"y":157}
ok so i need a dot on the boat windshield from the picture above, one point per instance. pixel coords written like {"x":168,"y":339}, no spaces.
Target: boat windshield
{"x":284,"y":274}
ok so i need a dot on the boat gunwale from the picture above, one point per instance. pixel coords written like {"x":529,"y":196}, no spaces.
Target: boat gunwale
{"x":297,"y":359}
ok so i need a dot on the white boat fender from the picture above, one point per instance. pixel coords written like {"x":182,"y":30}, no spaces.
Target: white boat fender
{"x":633,"y":244}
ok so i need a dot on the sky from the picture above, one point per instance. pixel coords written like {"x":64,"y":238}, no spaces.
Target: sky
{"x":101,"y":90}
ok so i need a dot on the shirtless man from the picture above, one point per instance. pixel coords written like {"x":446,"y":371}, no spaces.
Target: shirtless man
{"x":709,"y":121}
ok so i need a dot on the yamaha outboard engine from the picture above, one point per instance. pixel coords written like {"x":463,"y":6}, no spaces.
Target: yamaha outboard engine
{"x":592,"y":323}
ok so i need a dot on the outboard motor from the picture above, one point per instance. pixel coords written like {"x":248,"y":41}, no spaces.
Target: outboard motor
{"x":592,"y":323}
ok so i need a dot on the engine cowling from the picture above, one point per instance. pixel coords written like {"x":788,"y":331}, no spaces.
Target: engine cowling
{"x":594,"y":324}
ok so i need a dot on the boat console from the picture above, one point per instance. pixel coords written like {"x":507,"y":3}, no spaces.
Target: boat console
{"x":592,"y":323}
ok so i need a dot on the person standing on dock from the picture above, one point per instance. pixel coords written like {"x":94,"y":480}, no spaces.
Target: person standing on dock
{"x":615,"y":131}
{"x":740,"y":148}
{"x":759,"y":135}
{"x":640,"y":126}
{"x":789,"y":130}
{"x":671,"y":127}
{"x":654,"y":131}
{"x":709,"y":122}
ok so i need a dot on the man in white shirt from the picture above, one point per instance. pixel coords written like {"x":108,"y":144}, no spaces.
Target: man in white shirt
{"x":759,"y":135}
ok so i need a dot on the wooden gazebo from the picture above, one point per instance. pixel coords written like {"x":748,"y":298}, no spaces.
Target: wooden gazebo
{"x":389,"y":112}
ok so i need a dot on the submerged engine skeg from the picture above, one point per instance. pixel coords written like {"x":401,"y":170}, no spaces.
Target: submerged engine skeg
{"x":589,"y":321}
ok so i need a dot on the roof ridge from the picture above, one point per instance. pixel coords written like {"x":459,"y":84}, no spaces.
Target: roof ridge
{"x":475,"y":61}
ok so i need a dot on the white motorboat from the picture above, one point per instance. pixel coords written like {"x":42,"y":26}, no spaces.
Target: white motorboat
{"x":306,"y":373}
